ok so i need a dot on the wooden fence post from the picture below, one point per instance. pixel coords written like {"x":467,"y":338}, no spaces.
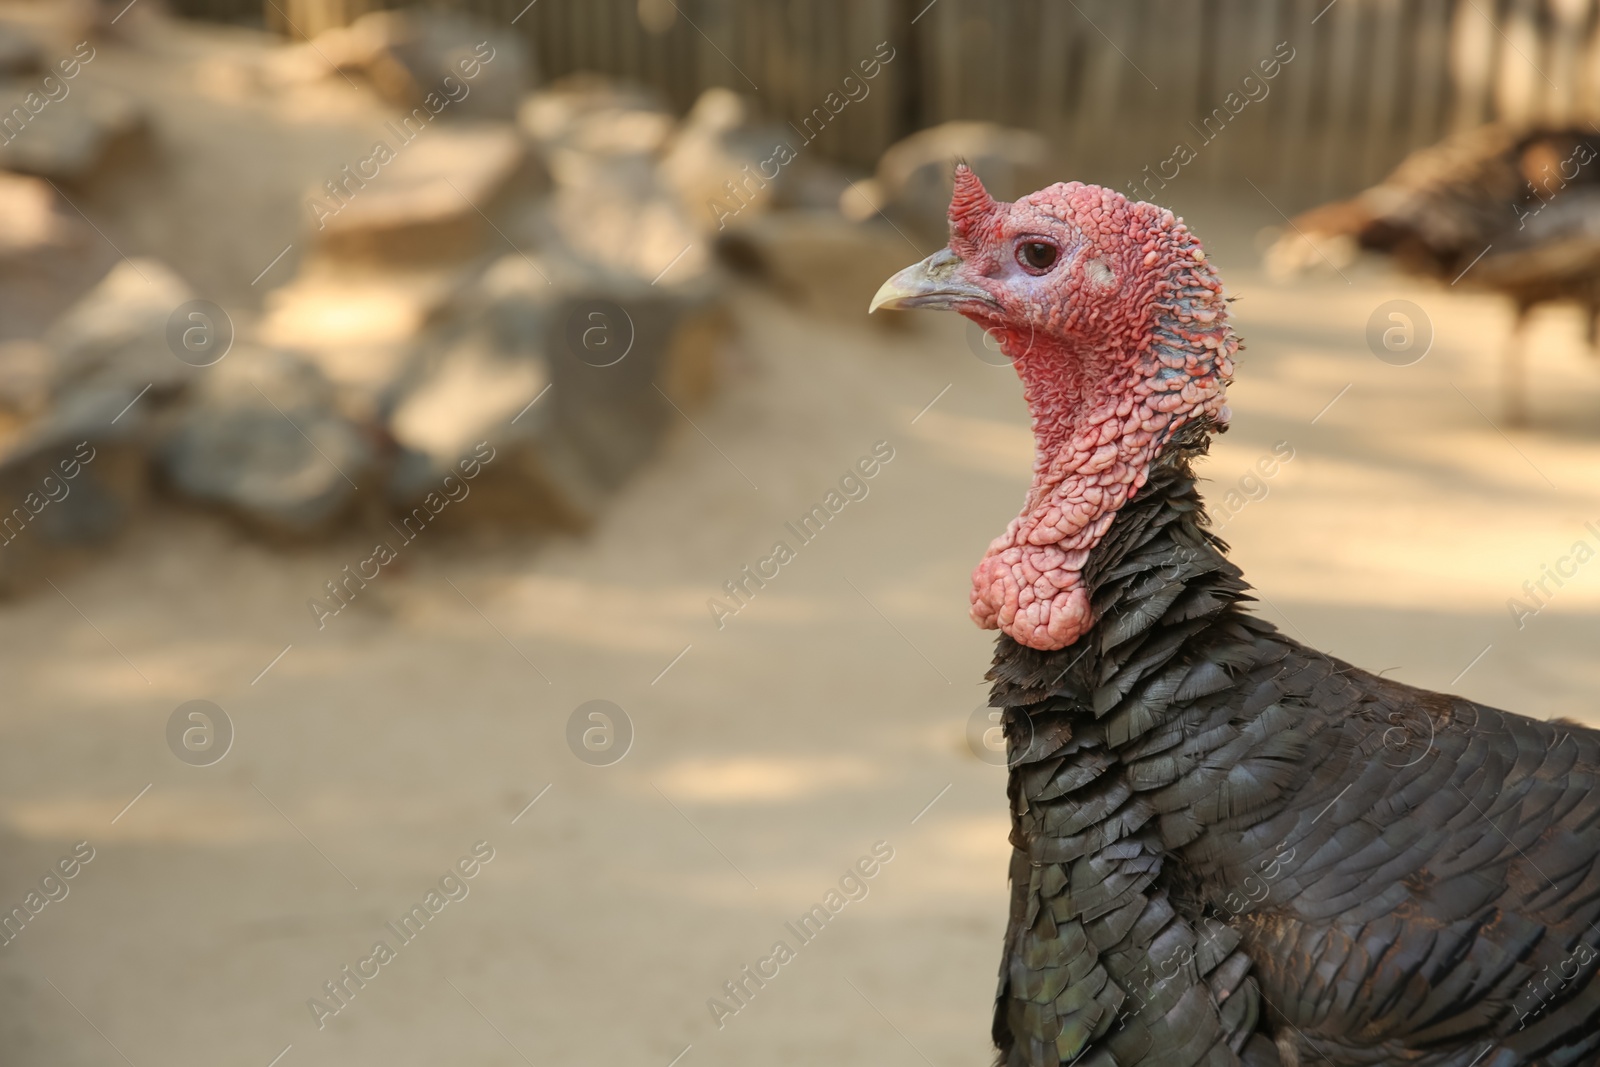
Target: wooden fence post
{"x":1371,"y":81}
{"x":302,"y":19}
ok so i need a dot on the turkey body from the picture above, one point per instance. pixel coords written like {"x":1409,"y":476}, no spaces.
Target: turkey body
{"x":1507,"y":210}
{"x":1228,"y":847}
{"x":1512,"y":210}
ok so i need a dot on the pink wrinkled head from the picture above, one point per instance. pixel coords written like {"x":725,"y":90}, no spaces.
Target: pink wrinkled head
{"x":1117,"y":325}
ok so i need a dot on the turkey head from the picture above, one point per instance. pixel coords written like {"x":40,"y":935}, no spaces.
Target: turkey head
{"x":1117,"y":326}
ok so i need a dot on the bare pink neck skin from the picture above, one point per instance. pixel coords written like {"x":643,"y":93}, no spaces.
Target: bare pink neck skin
{"x":1100,"y":415}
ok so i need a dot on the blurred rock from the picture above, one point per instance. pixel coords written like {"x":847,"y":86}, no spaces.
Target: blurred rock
{"x":31,"y":218}
{"x":263,"y":437}
{"x":466,"y":393}
{"x":428,"y":202}
{"x":646,"y":238}
{"x":726,"y":167}
{"x":401,"y":347}
{"x":540,"y":475}
{"x":434,"y":45}
{"x":812,"y":183}
{"x":67,"y":140}
{"x":604,"y":140}
{"x":49,"y":257}
{"x":599,"y":135}
{"x":611,"y":207}
{"x":19,"y":53}
{"x":622,"y":304}
{"x":359,"y":324}
{"x":863,"y":200}
{"x":618,"y":349}
{"x":25,"y":377}
{"x":354,"y":49}
{"x":407,"y":55}
{"x":914,"y":178}
{"x":228,"y":78}
{"x":821,"y":260}
{"x":116,"y":334}
{"x":597,"y":115}
{"x":601,"y":342}
{"x":70,"y":483}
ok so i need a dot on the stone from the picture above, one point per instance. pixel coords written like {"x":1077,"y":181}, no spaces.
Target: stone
{"x":339,"y":50}
{"x":263,"y":438}
{"x":434,"y":45}
{"x":610,"y":209}
{"x":360,"y":325}
{"x":595,"y":133}
{"x":616,"y":346}
{"x":31,"y":218}
{"x":914,"y":175}
{"x":66,"y":141}
{"x":636,"y":191}
{"x":724,"y":166}
{"x":70,"y":483}
{"x":406,"y":55}
{"x":467,"y":392}
{"x":643,"y":239}
{"x":822,"y":261}
{"x":19,"y":52}
{"x":117,"y":333}
{"x":579,"y":106}
{"x":601,"y":342}
{"x":481,"y":370}
{"x":25,"y":377}
{"x":811,"y":182}
{"x":49,"y":257}
{"x":430,"y":201}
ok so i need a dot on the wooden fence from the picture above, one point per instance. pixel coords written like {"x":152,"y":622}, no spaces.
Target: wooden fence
{"x":1116,"y":85}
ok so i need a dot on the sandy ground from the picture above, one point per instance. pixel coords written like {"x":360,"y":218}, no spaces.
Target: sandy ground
{"x":829,"y":714}
{"x":769,"y":755}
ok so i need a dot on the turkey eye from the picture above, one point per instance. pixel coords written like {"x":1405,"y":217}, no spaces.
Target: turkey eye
{"x":1039,"y":255}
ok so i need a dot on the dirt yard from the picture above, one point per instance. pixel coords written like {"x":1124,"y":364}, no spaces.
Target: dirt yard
{"x":769,"y":756}
{"x":819,"y":733}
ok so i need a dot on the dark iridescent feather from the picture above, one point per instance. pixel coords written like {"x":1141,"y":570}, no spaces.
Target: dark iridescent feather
{"x":1231,"y":848}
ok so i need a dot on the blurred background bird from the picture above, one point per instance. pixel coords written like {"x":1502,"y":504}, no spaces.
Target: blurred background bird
{"x":1514,"y":211}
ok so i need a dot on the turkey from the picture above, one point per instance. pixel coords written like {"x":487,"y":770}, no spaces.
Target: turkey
{"x":1509,"y":210}
{"x":1229,"y":847}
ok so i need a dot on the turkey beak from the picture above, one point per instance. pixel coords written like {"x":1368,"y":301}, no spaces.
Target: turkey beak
{"x":936,"y":282}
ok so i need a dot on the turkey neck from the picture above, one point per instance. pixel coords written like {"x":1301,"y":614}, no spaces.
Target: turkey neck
{"x":1065,"y":388}
{"x":1105,"y":403}
{"x":1157,"y":549}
